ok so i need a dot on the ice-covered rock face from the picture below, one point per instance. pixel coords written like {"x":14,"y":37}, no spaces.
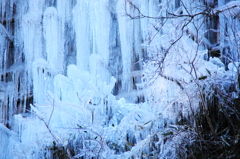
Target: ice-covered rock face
{"x":71,"y":73}
{"x":76,"y":51}
{"x":95,"y":36}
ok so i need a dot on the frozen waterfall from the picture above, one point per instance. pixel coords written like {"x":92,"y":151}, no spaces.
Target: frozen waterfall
{"x":109,"y":78}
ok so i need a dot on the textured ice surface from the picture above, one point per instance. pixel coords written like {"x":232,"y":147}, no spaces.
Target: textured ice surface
{"x":86,"y":77}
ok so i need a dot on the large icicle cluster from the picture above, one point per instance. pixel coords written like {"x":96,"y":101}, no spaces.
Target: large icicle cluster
{"x":109,"y":78}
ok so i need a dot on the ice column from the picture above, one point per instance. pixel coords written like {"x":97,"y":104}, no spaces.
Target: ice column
{"x":131,"y":44}
{"x":32,"y":34}
{"x":125,"y":30}
{"x":54,"y":44}
{"x":81,"y":23}
{"x":100,"y":22}
{"x":91,"y":20}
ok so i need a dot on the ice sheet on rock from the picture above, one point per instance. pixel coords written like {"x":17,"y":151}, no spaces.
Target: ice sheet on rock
{"x":5,"y":135}
{"x":5,"y":33}
{"x":3,"y":39}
